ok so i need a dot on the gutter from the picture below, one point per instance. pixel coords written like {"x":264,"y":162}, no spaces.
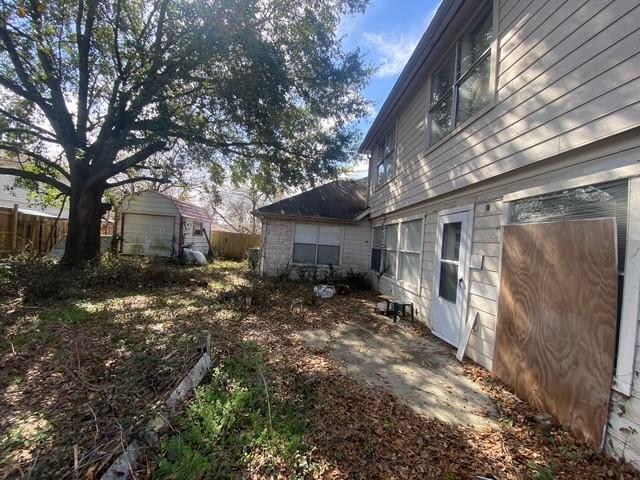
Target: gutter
{"x":284,"y":216}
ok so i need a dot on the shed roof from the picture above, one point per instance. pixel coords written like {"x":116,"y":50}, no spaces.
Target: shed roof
{"x":190,"y":210}
{"x":338,"y":200}
{"x":187,"y":209}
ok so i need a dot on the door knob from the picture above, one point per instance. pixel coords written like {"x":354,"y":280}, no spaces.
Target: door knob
{"x":461,"y":282}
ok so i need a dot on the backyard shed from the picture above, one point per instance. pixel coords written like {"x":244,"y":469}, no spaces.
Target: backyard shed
{"x":159,"y":225}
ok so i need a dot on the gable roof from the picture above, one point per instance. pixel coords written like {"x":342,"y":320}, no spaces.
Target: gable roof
{"x":186,"y":209}
{"x":338,"y":200}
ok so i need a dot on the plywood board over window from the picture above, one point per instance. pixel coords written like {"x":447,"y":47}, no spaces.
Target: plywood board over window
{"x":555,"y":338}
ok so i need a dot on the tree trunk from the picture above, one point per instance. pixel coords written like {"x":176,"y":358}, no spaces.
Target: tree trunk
{"x":83,"y":237}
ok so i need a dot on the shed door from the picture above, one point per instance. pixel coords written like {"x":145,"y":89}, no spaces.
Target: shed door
{"x":148,"y":235}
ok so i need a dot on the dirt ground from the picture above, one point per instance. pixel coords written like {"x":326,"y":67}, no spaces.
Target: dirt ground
{"x":80,"y":375}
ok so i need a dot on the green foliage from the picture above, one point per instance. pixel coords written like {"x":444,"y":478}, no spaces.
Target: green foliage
{"x":245,"y":89}
{"x":40,"y":278}
{"x":541,"y":472}
{"x":229,"y":419}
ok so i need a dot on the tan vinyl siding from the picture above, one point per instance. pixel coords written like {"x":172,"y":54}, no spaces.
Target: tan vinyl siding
{"x":487,"y":233}
{"x":569,"y":74}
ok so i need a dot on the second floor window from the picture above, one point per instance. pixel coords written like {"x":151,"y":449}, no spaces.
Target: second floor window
{"x":461,"y":87}
{"x":385,"y":157}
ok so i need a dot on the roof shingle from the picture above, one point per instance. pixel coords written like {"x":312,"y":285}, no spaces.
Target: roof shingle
{"x":341,"y":200}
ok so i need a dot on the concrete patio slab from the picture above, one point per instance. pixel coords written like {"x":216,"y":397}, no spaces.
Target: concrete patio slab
{"x":420,"y":370}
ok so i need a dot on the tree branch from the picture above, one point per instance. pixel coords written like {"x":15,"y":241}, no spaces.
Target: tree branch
{"x":83,"y":40}
{"x":137,"y":179}
{"x":127,"y":163}
{"x":36,"y":177}
{"x":18,"y":150}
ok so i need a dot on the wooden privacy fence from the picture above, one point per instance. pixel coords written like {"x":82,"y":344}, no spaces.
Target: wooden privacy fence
{"x":233,"y":245}
{"x":38,"y":233}
{"x":22,"y":231}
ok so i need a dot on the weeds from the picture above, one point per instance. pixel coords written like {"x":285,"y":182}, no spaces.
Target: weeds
{"x":541,"y":472}
{"x":230,"y":420}
{"x":40,"y":278}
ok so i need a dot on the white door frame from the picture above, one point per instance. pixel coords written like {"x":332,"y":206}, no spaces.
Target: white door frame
{"x":463,"y":265}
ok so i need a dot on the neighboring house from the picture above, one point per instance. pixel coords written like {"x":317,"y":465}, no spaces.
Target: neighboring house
{"x":12,"y":194}
{"x":508,"y":112}
{"x":317,"y":229}
{"x":159,"y":225}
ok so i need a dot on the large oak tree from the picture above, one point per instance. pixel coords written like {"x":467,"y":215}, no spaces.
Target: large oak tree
{"x":99,"y":93}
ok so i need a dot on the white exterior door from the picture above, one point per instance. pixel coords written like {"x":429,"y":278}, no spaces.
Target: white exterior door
{"x":451,"y":271}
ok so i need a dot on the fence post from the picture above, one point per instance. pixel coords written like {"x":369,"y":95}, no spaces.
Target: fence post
{"x":14,"y":228}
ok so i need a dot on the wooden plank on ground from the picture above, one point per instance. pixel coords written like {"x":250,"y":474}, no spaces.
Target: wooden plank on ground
{"x":466,"y":335}
{"x":556,"y":326}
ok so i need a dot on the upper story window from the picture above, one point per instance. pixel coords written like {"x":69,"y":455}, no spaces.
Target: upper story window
{"x":385,"y":157}
{"x":461,"y":87}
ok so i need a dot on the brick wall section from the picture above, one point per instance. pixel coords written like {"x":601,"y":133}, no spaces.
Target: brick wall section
{"x":277,"y":246}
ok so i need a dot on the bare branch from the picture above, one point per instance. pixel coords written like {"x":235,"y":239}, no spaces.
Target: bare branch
{"x":127,"y":163}
{"x":84,"y":46}
{"x":137,"y":179}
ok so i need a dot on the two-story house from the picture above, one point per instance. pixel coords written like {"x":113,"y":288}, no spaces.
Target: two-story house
{"x":508,"y":113}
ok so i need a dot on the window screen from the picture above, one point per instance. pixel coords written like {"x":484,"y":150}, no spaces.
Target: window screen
{"x":410,"y":249}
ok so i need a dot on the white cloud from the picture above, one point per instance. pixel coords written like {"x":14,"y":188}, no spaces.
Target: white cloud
{"x":392,"y":51}
{"x":359,"y":169}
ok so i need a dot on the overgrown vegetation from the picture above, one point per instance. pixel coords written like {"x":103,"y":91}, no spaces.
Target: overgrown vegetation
{"x":37,"y":277}
{"x":81,"y":373}
{"x":329,"y":275}
{"x":234,"y":419}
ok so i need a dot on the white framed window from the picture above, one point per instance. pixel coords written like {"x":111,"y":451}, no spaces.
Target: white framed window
{"x":385,"y":156}
{"x":317,"y":244}
{"x":391,"y":249}
{"x":376,"y":249}
{"x":197,"y":229}
{"x":397,"y":251}
{"x":461,"y":87}
{"x":409,"y":252}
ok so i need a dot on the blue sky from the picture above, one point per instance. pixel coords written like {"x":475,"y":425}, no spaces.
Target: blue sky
{"x":387,"y":33}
